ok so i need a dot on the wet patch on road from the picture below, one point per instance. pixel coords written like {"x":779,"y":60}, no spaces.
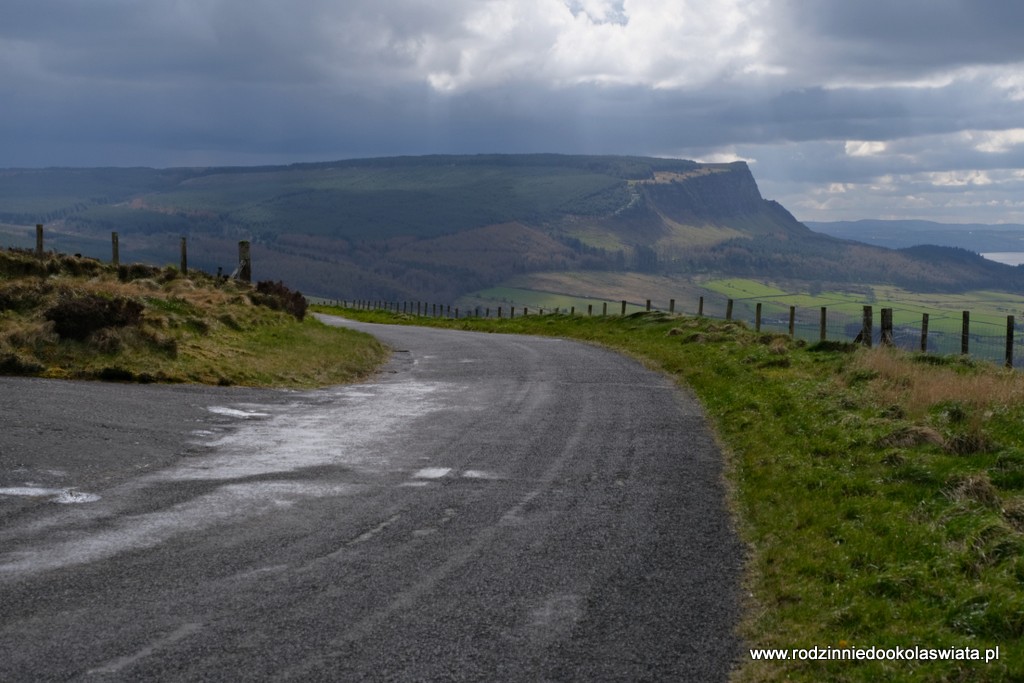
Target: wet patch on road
{"x":63,"y":496}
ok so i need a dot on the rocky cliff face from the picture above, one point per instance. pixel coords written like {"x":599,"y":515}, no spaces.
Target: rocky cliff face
{"x":724,"y":195}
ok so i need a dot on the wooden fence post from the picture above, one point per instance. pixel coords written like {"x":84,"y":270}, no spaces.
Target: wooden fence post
{"x":1009,"y":341}
{"x":700,"y":307}
{"x":184,"y":257}
{"x":623,"y":307}
{"x":590,"y":309}
{"x":757,"y":318}
{"x":512,"y":313}
{"x":792,"y":321}
{"x":671,"y":305}
{"x":604,"y":308}
{"x":648,"y":305}
{"x":39,"y":240}
{"x":886,"y":339}
{"x":728,"y":309}
{"x":924,"y":333}
{"x":244,"y":261}
{"x":866,"y":331}
{"x":823,"y":324}
{"x":965,"y":334}
{"x":115,"y":256}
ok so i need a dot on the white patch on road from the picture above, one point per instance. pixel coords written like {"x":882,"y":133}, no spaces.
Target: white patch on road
{"x":234,"y":412}
{"x":32,"y":491}
{"x":131,"y":532}
{"x":69,"y":497}
{"x":344,"y":431}
{"x":346,"y":427}
{"x":65,"y":496}
{"x":479,"y":474}
{"x":432,"y":472}
{"x":370,"y":533}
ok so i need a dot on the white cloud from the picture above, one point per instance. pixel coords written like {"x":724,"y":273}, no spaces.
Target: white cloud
{"x":998,"y":141}
{"x":725,"y":156}
{"x":864,"y":148}
{"x":958,"y":178}
{"x":640,"y":42}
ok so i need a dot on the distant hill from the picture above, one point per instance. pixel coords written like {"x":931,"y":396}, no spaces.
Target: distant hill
{"x":441,"y":226}
{"x":978,"y":237}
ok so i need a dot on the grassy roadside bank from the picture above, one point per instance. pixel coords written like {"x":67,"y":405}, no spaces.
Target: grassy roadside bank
{"x":75,"y":318}
{"x":881,"y":494}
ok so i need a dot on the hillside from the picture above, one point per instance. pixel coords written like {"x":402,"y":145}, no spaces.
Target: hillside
{"x":68,"y":317}
{"x":441,"y":226}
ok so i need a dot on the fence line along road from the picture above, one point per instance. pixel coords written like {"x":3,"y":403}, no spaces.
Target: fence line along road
{"x":901,"y":328}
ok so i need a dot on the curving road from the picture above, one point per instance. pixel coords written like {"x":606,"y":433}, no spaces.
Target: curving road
{"x":489,"y":508}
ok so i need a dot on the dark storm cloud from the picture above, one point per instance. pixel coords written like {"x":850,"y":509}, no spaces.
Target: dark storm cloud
{"x":828,"y":100}
{"x":908,"y":37}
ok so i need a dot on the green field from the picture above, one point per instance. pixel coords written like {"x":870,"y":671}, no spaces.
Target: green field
{"x":988,"y":309}
{"x":944,"y":310}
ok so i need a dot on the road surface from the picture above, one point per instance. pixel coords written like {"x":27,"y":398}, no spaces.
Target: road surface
{"x":488,"y":508}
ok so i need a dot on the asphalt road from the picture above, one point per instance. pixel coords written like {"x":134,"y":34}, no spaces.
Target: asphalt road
{"x":489,"y":508}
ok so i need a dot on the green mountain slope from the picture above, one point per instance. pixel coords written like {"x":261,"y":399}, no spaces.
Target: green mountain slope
{"x":439,"y":226}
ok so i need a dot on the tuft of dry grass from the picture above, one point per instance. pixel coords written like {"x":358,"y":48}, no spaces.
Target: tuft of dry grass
{"x":909,"y":436}
{"x":974,"y":489}
{"x":17,"y":334}
{"x":918,"y":388}
{"x":1013,"y":513}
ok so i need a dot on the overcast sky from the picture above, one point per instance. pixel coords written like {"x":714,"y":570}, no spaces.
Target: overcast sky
{"x":844,"y":109}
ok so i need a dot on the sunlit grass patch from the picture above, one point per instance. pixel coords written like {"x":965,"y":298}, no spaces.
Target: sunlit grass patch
{"x":162,"y":327}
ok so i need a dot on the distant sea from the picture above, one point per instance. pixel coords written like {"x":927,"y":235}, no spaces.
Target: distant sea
{"x":1010,"y":258}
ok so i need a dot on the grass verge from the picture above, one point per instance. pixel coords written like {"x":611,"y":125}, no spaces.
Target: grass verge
{"x":881,"y":494}
{"x":67,"y":317}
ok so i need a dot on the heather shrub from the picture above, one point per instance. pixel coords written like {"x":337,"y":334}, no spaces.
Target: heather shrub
{"x":16,"y":364}
{"x":76,"y":317}
{"x":137,"y":271}
{"x":277,"y":296}
{"x":24,"y":294}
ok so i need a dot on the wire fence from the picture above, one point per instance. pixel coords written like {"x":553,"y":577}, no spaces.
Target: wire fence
{"x":938,"y":332}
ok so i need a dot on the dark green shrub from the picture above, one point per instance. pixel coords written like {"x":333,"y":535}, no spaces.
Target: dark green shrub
{"x":115,"y":374}
{"x":23,"y":295}
{"x":13,"y":364}
{"x":277,"y":296}
{"x":136,"y":271}
{"x":77,"y":317}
